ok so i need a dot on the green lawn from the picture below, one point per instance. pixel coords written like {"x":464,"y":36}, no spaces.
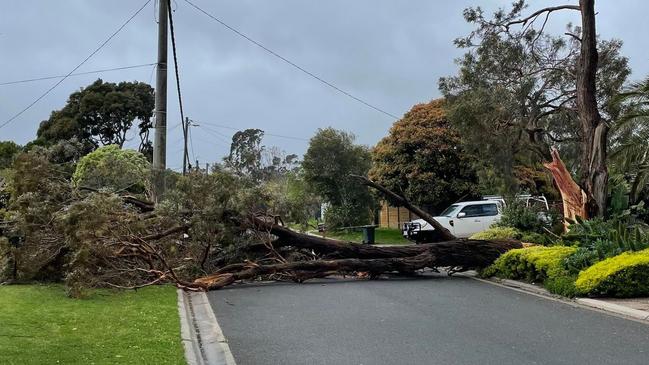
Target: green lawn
{"x":40,"y":325}
{"x":382,"y":235}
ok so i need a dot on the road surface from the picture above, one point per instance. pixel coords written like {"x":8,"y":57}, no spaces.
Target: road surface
{"x":432,"y":320}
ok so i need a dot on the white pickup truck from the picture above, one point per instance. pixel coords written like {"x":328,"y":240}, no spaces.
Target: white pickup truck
{"x":466,"y":218}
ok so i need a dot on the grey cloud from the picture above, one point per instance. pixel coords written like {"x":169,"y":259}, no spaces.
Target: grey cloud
{"x":388,"y":52}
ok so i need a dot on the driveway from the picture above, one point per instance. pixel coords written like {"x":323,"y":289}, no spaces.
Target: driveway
{"x":431,"y":320}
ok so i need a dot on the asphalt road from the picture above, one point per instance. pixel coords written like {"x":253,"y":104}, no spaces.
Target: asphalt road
{"x":434,"y":320}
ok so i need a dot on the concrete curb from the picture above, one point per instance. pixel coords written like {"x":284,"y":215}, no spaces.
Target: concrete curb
{"x":615,"y":308}
{"x":187,"y":332}
{"x":589,"y":303}
{"x":201,"y":334}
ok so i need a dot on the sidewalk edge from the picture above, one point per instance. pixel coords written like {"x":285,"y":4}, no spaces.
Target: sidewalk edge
{"x":588,"y":303}
{"x":202,"y":336}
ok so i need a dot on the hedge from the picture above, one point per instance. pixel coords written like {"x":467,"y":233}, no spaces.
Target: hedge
{"x":624,"y":275}
{"x":497,"y":233}
{"x":536,"y":263}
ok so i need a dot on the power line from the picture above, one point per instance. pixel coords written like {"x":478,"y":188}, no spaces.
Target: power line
{"x":76,"y":68}
{"x":266,"y":134}
{"x":220,"y":136}
{"x":76,"y":74}
{"x":309,"y":73}
{"x":173,"y":46}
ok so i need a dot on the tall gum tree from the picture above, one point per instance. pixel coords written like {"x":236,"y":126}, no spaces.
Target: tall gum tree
{"x":567,"y":88}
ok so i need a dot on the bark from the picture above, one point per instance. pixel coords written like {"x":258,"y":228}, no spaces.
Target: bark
{"x":459,"y":255}
{"x":573,"y":197}
{"x":594,"y":173}
{"x":444,"y":233}
{"x":346,"y":257}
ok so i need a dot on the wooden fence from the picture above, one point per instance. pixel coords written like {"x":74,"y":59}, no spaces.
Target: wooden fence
{"x":394,"y":217}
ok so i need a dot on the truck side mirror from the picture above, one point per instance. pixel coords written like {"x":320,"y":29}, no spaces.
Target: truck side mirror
{"x":461,"y":215}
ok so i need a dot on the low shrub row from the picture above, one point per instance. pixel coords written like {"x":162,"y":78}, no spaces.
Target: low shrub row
{"x":536,"y":264}
{"x":498,"y":233}
{"x":502,"y":233}
{"x":625,"y":275}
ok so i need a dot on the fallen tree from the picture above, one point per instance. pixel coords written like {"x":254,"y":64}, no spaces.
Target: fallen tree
{"x":103,"y":239}
{"x":457,"y":255}
{"x":339,"y":257}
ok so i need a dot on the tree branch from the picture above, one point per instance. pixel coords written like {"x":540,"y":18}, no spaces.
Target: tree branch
{"x":541,"y":11}
{"x":444,"y":233}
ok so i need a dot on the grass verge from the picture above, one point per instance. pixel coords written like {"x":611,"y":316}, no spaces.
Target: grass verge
{"x":40,"y":325}
{"x":381,"y":235}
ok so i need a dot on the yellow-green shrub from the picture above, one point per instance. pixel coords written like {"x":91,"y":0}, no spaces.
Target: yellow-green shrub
{"x":497,"y":233}
{"x":624,"y":275}
{"x":535,"y":263}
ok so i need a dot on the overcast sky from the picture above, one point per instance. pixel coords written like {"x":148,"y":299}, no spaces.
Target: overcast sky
{"x":389,"y":53}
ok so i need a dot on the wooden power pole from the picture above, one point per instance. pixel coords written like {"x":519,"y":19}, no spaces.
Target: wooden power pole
{"x":160,"y":137}
{"x":185,"y":152}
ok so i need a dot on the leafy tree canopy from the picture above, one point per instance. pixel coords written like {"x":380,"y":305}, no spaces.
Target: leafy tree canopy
{"x":101,"y":114}
{"x":249,"y":158}
{"x":423,"y":158}
{"x":515,"y":92}
{"x":629,"y":149}
{"x":8,"y":151}
{"x":112,"y":168}
{"x":331,"y":157}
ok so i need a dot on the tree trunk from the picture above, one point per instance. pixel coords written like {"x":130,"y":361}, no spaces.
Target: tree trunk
{"x":573,"y":197}
{"x":459,"y":255}
{"x":594,"y":173}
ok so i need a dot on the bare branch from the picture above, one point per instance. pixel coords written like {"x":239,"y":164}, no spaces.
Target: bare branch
{"x":573,"y":36}
{"x":541,"y":11}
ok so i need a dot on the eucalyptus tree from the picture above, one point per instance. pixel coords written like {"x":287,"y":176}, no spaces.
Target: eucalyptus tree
{"x":520,"y":90}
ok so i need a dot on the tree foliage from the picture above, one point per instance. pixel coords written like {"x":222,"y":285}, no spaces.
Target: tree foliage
{"x":113,"y":168}
{"x":101,"y":114}
{"x":8,"y":151}
{"x":328,"y":163}
{"x":248,"y":157}
{"x":515,"y":93}
{"x":423,"y":158}
{"x":629,"y":148}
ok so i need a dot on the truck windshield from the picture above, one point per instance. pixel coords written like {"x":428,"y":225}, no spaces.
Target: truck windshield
{"x":448,"y":212}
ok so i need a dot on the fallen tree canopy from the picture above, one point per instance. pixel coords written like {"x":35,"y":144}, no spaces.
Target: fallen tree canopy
{"x":338,"y":257}
{"x":103,"y":239}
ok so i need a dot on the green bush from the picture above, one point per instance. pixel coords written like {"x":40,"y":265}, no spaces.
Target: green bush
{"x":582,"y":258}
{"x":536,"y":238}
{"x":497,"y":233}
{"x":598,"y":240}
{"x":115,"y":169}
{"x":346,"y":215}
{"x":526,"y":219}
{"x":625,"y":275}
{"x":535,"y":263}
